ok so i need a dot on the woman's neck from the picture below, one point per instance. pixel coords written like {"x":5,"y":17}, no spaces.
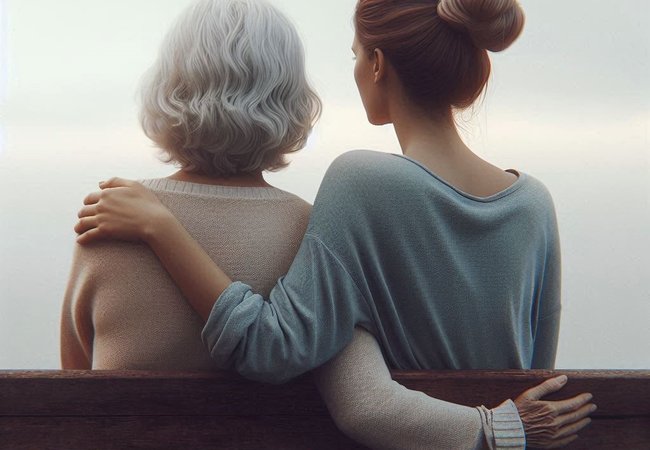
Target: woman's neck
{"x":244,"y":180}
{"x":433,"y":141}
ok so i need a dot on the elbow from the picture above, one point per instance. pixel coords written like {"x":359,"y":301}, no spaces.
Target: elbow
{"x":348,"y":424}
{"x":356,"y":423}
{"x":273,"y":367}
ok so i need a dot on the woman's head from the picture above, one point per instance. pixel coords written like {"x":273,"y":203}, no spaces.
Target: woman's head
{"x":438,"y":48}
{"x":228,"y":94}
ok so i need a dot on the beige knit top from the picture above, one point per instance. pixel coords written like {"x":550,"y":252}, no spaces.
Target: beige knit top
{"x":253,"y":235}
{"x":107,"y":323}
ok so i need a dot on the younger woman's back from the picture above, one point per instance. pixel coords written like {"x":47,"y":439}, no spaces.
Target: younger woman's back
{"x":450,"y":280}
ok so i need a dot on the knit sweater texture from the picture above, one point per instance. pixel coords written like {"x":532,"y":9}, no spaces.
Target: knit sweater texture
{"x":122,"y":311}
{"x":443,"y":279}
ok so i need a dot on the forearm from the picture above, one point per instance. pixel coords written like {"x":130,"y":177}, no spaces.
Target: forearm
{"x":375,"y":410}
{"x":198,"y":277}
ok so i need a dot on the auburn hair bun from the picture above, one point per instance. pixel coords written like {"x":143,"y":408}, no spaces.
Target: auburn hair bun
{"x":492,"y":24}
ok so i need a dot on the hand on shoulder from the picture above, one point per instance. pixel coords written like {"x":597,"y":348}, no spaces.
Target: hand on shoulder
{"x":123,"y":210}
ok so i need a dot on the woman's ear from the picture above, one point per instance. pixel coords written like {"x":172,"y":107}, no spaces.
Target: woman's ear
{"x":379,"y":65}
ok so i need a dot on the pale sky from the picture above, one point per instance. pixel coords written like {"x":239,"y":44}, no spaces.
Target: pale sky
{"x":569,"y":103}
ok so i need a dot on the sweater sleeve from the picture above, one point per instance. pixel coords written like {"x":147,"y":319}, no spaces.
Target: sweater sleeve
{"x":309,"y":317}
{"x":76,"y":323}
{"x":371,"y":408}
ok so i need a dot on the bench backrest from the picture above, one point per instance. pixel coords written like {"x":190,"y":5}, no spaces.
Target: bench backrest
{"x":72,"y":410}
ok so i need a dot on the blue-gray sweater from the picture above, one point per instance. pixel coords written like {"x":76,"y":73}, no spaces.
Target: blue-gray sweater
{"x":443,"y":279}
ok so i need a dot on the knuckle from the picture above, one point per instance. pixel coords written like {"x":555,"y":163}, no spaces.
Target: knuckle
{"x":548,"y":409}
{"x":554,"y":428}
{"x":552,"y":382}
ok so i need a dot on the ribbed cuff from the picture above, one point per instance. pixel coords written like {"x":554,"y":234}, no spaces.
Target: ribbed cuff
{"x":503,"y":427}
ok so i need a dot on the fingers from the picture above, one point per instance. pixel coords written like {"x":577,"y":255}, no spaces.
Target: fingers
{"x":117,"y":182}
{"x":87,"y":211}
{"x":571,"y":404}
{"x":93,"y":198}
{"x":567,"y":426}
{"x":85,"y":224}
{"x":89,"y":236}
{"x":575,"y":416}
{"x":547,"y":387}
{"x":573,"y":428}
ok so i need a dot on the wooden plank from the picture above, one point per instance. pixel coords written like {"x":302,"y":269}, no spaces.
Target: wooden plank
{"x":172,"y":432}
{"x":249,"y":433}
{"x":117,"y":410}
{"x":143,"y":393}
{"x":617,"y":393}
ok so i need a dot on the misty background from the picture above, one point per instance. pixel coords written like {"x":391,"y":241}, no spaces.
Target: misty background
{"x":569,"y":103}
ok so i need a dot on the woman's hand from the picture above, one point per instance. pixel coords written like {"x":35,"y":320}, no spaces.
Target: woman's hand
{"x":123,"y":210}
{"x":552,"y":424}
{"x":128,"y":211}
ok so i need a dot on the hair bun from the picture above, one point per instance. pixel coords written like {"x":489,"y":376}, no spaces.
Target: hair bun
{"x":492,"y":24}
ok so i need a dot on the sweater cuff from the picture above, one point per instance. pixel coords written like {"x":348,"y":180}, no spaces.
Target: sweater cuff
{"x":502,"y":427}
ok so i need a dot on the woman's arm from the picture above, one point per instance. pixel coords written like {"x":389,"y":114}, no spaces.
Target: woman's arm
{"x":371,"y":408}
{"x":270,"y":340}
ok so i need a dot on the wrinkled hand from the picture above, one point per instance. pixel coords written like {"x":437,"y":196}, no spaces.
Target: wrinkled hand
{"x":553,"y":424}
{"x":123,"y":209}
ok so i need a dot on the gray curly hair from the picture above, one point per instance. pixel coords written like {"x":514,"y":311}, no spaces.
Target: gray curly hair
{"x":229,"y":94}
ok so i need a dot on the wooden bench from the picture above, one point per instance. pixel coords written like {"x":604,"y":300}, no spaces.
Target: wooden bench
{"x":56,"y":410}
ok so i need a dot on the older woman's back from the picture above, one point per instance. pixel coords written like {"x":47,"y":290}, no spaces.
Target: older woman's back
{"x":254,"y":232}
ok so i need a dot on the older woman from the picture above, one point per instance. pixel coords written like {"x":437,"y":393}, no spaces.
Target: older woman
{"x":449,"y":261}
{"x":227,"y":99}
